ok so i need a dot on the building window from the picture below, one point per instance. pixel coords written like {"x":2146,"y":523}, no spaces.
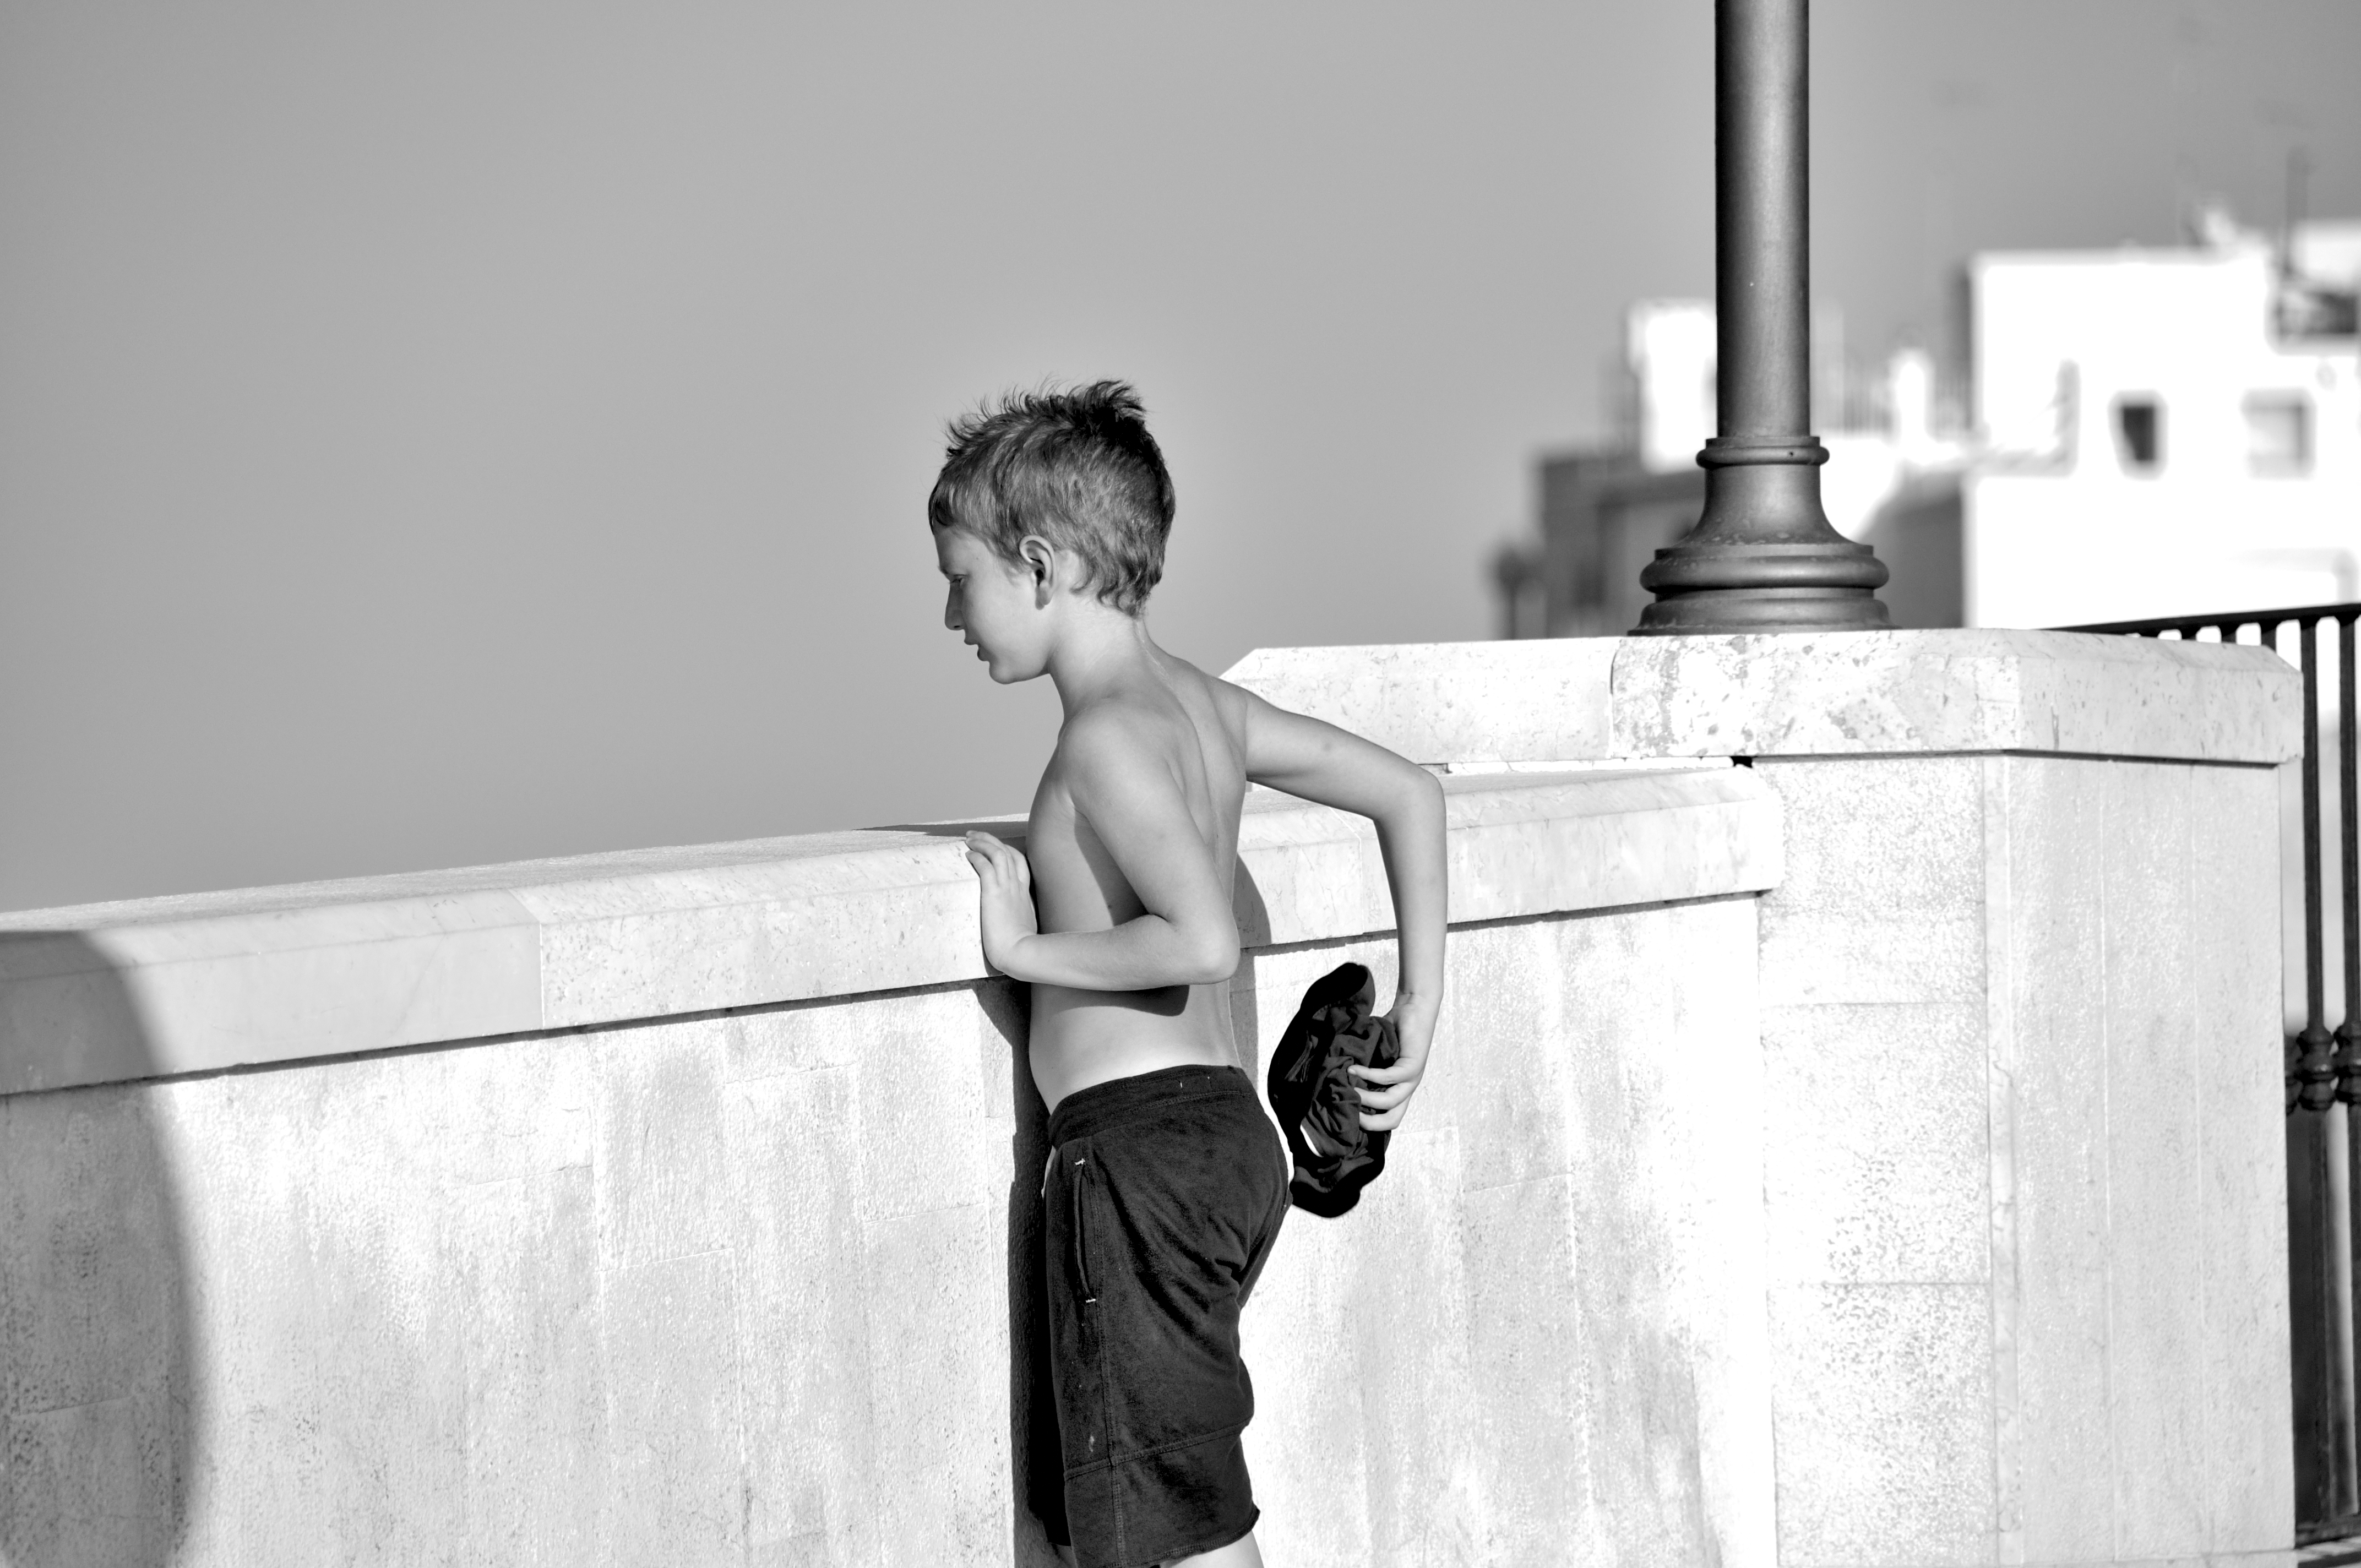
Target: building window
{"x":2279,"y":432}
{"x":2139,"y":433}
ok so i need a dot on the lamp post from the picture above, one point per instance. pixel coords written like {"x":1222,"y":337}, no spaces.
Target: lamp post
{"x":1763,"y":556}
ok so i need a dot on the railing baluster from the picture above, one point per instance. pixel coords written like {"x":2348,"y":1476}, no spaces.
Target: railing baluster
{"x":2336,"y":1140}
{"x":2348,"y":1030}
{"x":2315,"y":1068}
{"x":2348,"y":1060}
{"x":2311,"y":1235}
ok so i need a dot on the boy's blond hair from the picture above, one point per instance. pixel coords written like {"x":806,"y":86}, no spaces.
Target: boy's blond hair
{"x":1076,"y":468}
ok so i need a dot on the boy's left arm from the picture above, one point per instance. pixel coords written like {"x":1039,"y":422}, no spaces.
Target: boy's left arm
{"x":1317,"y":761}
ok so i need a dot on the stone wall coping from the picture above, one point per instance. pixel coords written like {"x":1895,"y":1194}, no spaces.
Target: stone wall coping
{"x":1588,"y":699}
{"x":154,"y":987}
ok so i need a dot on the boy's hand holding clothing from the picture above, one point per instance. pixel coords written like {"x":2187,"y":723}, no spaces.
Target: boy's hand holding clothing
{"x":1388,"y":1100}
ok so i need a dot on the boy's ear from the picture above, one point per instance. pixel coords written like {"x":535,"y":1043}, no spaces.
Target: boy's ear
{"x":1041,"y":563}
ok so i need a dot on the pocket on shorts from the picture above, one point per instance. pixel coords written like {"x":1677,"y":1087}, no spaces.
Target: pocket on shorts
{"x":1078,"y":1177}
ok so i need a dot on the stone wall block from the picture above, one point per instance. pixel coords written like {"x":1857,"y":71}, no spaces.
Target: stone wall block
{"x":655,"y":933}
{"x":799,"y":1237}
{"x":66,"y":1015}
{"x":83,"y":1485}
{"x":2057,"y":940}
{"x":1716,"y":1267}
{"x":390,"y":1251}
{"x":373,"y":970}
{"x":798,"y":1038}
{"x":257,"y":1455}
{"x":1630,"y":1198}
{"x":1883,"y":1416}
{"x":996,"y":1018}
{"x":1880,"y":837}
{"x":1842,"y":694}
{"x":675,"y":1487}
{"x":2154,"y":1177}
{"x":1828,"y":692}
{"x":1526,"y":1330}
{"x":939,"y":1376}
{"x":1896,"y":1188}
{"x":525,"y":1108}
{"x":1501,"y":1074}
{"x":658,"y":1130}
{"x":2246,"y":1468}
{"x":1883,"y":901}
{"x":1637,"y":1096}
{"x":84,"y":1312}
{"x":1411,"y":1341}
{"x":921,"y":1107}
{"x":329,"y":1404}
{"x":522,"y":1259}
{"x":1958,"y":691}
{"x":1309,"y":1448}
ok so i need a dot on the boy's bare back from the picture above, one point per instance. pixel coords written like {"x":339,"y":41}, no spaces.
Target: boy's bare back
{"x":1164,"y":747}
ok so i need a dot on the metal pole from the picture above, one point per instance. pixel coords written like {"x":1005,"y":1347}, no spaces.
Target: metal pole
{"x":1763,"y":556}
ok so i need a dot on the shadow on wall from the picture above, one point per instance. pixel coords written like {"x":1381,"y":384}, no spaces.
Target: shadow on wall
{"x":97,"y":1397}
{"x":1037,"y":1474}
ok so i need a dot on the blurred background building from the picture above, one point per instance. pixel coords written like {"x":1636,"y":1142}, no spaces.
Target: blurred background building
{"x":2126,"y":433}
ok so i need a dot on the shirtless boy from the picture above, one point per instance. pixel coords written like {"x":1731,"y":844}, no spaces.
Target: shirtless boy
{"x":1167,"y":1183}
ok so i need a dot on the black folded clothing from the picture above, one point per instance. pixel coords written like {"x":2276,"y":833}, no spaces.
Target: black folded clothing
{"x":1318,"y":1103}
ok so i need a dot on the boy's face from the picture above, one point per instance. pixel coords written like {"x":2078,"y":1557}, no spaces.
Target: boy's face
{"x":993,"y":602}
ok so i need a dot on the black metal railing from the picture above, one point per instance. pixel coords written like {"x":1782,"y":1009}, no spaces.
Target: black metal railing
{"x":2323,"y":1067}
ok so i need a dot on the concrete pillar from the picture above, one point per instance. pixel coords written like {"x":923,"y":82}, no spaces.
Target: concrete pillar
{"x":2024,"y":1170}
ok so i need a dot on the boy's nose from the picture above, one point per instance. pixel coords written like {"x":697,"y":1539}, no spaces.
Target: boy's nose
{"x":951,"y":610}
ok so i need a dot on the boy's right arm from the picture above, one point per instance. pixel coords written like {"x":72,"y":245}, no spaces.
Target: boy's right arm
{"x":1320,"y":763}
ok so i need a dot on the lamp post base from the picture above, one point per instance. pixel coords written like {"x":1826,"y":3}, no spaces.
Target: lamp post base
{"x":1763,"y":556}
{"x":1822,"y":586}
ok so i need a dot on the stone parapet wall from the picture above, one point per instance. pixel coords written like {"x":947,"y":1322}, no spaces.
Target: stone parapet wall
{"x":564,"y":1213}
{"x":211,"y":980}
{"x":1866,"y":1157}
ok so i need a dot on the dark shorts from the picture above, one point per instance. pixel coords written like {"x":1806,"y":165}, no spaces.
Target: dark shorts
{"x":1164,"y":1193}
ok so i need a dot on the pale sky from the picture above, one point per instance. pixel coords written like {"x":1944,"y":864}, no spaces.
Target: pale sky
{"x":437,"y":434}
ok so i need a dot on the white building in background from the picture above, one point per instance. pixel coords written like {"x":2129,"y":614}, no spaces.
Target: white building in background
{"x":1669,"y":358}
{"x":2154,"y":432}
{"x":1882,"y":430}
{"x":2165,"y":431}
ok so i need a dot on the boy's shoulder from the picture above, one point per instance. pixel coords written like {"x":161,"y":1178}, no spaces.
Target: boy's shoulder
{"x":1115,"y":730}
{"x":1126,"y":725}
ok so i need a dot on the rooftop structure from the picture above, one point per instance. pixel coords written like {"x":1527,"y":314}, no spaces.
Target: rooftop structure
{"x":2152,"y":432}
{"x":2166,"y":430}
